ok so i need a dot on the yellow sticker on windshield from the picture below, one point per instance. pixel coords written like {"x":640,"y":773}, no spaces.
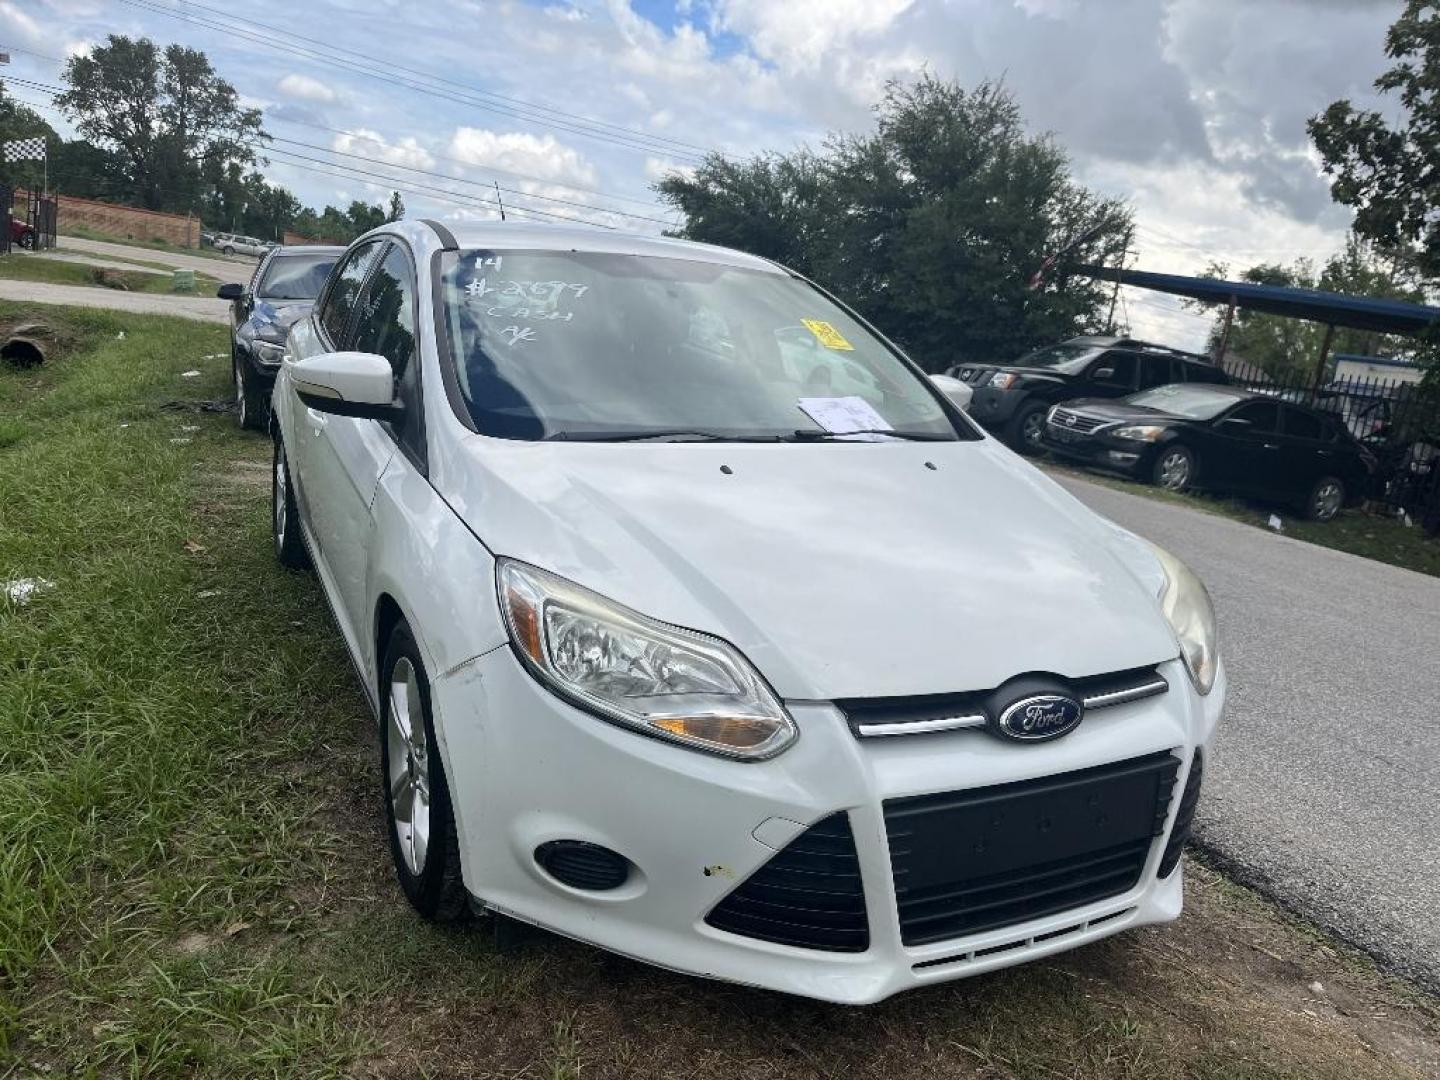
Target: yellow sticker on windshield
{"x":827,"y":335}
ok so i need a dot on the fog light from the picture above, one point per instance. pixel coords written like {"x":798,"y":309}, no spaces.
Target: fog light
{"x":583,"y":865}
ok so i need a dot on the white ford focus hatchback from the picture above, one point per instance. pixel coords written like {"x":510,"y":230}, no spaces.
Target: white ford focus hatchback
{"x":700,"y":626}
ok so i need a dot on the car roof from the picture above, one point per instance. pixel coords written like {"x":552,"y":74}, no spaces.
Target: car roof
{"x":535,"y":236}
{"x":1110,"y":342}
{"x":308,"y":249}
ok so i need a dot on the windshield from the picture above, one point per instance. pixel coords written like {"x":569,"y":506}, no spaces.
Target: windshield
{"x":1066,"y":357}
{"x":295,"y":277}
{"x":1195,"y":402}
{"x":579,"y":345}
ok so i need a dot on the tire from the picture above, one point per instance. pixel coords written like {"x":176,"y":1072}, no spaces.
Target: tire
{"x":423,"y":841}
{"x":284,"y":515}
{"x":227,"y":250}
{"x":28,"y":241}
{"x":1327,"y":498}
{"x":1174,"y":469}
{"x":250,"y":404}
{"x":1026,"y":428}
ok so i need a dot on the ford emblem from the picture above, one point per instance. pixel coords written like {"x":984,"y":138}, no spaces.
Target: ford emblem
{"x":1040,"y":717}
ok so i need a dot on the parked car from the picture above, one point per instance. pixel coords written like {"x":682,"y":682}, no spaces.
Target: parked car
{"x":22,"y":235}
{"x":235,"y":244}
{"x":1012,"y":399}
{"x":1222,"y":438}
{"x":207,"y":239}
{"x":280,"y":291}
{"x":661,"y":644}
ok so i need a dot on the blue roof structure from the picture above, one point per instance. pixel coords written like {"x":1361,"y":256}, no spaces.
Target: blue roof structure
{"x":1335,"y":309}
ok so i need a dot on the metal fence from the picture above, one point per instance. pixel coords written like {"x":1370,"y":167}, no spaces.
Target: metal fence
{"x":43,"y":216}
{"x":1398,"y":422}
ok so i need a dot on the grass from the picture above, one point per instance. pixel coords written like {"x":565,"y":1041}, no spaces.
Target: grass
{"x":193,"y":872}
{"x":57,"y":272}
{"x":1384,"y":539}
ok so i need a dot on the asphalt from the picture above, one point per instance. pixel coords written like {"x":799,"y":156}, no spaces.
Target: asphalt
{"x":205,"y":260}
{"x":1324,"y":788}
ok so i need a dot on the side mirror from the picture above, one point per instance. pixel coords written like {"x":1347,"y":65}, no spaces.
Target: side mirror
{"x":1104,"y":373}
{"x":347,"y":384}
{"x":230,"y":292}
{"x":958,"y":392}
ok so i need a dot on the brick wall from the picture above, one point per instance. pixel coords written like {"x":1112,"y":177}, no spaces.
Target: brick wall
{"x":125,"y":222}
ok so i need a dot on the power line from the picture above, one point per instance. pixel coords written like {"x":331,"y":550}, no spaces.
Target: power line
{"x":541,"y":107}
{"x":638,"y":142}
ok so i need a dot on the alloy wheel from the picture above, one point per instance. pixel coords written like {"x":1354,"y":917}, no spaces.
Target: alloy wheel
{"x":1327,"y":500}
{"x":1174,"y":471}
{"x":1033,"y":429}
{"x":282,"y":496}
{"x":409,"y":768}
{"x":239,"y":391}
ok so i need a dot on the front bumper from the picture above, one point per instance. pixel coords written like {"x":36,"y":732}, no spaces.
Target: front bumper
{"x":526,"y":768}
{"x":994,"y":407}
{"x":1103,"y":451}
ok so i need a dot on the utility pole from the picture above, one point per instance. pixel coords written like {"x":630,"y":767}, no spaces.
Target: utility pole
{"x":1115,"y":292}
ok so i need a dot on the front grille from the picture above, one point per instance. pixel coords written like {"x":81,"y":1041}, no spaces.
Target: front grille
{"x":969,"y":861}
{"x":1074,"y":421}
{"x":919,"y":714}
{"x":1184,"y":817}
{"x":808,"y":895}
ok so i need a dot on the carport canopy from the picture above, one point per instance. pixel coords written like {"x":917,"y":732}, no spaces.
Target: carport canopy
{"x":1333,"y":309}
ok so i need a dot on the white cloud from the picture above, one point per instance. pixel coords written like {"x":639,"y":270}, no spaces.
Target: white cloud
{"x":542,"y":157}
{"x":371,"y":145}
{"x":20,"y":26}
{"x":304,"y":88}
{"x":659,"y":168}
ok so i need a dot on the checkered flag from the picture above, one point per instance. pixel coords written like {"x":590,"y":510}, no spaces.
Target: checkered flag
{"x":23,"y":150}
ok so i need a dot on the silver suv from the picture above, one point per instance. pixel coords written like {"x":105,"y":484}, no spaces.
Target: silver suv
{"x":234,"y":244}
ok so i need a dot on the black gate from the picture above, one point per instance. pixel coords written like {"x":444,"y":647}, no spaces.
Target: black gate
{"x":7,"y":195}
{"x":43,"y":216}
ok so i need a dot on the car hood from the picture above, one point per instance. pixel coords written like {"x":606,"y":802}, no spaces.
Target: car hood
{"x":277,"y":316}
{"x":1108,"y":409}
{"x":839,"y":569}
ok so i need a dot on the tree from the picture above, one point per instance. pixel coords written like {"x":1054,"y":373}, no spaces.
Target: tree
{"x":171,"y":120}
{"x":931,"y":225}
{"x":1287,"y":348}
{"x":397,"y":207}
{"x":18,"y":121}
{"x":1385,"y":171}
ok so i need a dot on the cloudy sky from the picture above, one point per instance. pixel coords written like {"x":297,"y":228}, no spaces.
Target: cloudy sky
{"x":1193,"y":110}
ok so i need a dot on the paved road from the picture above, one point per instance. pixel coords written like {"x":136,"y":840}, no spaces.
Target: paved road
{"x":238,"y":268}
{"x":100,"y":261}
{"x":1324,"y":790}
{"x":205,"y":308}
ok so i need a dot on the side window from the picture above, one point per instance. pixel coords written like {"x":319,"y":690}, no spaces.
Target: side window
{"x":1303,"y":425}
{"x":340,"y":301}
{"x":1262,"y":416}
{"x":1121,"y":368}
{"x":1155,"y":371}
{"x":385,"y":324}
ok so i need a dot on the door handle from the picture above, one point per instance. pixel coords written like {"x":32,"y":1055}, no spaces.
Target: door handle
{"x":1272,"y":446}
{"x":317,"y":421}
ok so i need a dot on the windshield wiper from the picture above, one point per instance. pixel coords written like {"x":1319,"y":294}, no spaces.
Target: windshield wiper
{"x":675,"y":435}
{"x":817,"y":435}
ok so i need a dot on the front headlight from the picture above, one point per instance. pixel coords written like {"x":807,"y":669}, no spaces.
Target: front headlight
{"x":658,"y":679}
{"x":1002,"y":380}
{"x":1139,"y":432}
{"x":1187,"y":608}
{"x":270,"y":352}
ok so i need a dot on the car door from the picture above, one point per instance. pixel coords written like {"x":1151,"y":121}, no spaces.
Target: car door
{"x":1157,"y":371}
{"x":1305,"y":454}
{"x":353,"y":453}
{"x":333,"y":457}
{"x":1112,"y":375}
{"x":1243,"y":450}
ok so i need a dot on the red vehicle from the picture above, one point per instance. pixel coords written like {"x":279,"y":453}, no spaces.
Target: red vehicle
{"x":21,"y":234}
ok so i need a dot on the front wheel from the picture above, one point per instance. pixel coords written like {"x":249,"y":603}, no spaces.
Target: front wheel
{"x":228,"y":250}
{"x":423,"y":840}
{"x":1327,"y":497}
{"x":284,"y":516}
{"x":1027,"y":429}
{"x":249,"y":403}
{"x":1174,"y":469}
{"x":28,"y":241}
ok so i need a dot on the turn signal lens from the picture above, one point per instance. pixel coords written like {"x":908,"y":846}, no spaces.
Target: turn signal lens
{"x":662,"y":680}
